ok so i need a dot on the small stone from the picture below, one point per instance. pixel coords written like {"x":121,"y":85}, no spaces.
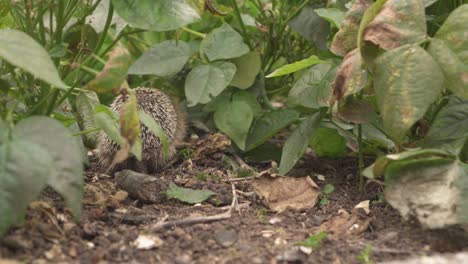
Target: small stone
{"x":226,"y":238}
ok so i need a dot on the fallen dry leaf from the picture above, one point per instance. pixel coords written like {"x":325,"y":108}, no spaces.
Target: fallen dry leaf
{"x":280,"y":193}
{"x":210,"y":144}
{"x":147,"y":242}
{"x":344,"y":224}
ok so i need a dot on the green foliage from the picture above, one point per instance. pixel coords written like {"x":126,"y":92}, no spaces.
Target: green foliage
{"x":188,"y":195}
{"x":21,"y":50}
{"x":327,"y":142}
{"x":365,"y":256}
{"x":314,"y":241}
{"x":156,"y":15}
{"x":223,"y":43}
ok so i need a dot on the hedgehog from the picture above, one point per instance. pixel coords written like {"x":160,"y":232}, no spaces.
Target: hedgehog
{"x":167,"y":113}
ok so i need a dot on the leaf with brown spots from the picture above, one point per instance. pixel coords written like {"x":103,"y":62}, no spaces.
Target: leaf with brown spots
{"x":113,"y":74}
{"x":398,"y":22}
{"x":407,"y":81}
{"x":351,"y":77}
{"x":449,"y":48}
{"x":345,"y":39}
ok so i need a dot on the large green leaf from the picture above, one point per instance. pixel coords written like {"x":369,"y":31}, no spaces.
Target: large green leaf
{"x":234,"y":120}
{"x":21,"y":50}
{"x":311,"y":27}
{"x":188,"y":195}
{"x":450,"y":49}
{"x":206,"y":81}
{"x":223,"y":43}
{"x":345,"y":39}
{"x":432,"y":189}
{"x":453,"y":32}
{"x":24,"y":169}
{"x":163,"y":59}
{"x":454,"y":69}
{"x":296,"y":144}
{"x":327,"y":142}
{"x":407,"y":81}
{"x":333,"y":15}
{"x":449,"y":131}
{"x":268,"y":125}
{"x":397,"y":23}
{"x":248,"y":66}
{"x":295,"y":66}
{"x":161,"y":15}
{"x":67,"y":177}
{"x":313,"y":89}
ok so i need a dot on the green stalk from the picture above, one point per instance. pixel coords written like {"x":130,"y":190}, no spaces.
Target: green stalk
{"x":193,"y":32}
{"x":239,"y":18}
{"x":361,"y":159}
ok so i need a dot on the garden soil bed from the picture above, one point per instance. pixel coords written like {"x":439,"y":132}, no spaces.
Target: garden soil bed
{"x":111,"y":223}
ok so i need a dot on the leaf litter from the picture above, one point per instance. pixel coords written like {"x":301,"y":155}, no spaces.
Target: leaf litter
{"x":118,"y":226}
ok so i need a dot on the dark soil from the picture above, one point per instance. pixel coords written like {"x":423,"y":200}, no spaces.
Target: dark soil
{"x":111,"y":222}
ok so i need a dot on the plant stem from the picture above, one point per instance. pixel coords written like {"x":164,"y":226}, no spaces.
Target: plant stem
{"x":193,"y":32}
{"x":239,"y":18}
{"x":361,"y":159}
{"x":84,"y":132}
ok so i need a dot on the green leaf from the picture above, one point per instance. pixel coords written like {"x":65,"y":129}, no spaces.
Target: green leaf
{"x":250,"y":99}
{"x":407,"y":81}
{"x":248,"y":66}
{"x":345,"y":40}
{"x":295,"y":66}
{"x":24,"y":169}
{"x":163,"y":59}
{"x":449,"y":47}
{"x":85,"y":102}
{"x":223,"y":43}
{"x":268,"y":125}
{"x":157,"y":130}
{"x":188,"y":195}
{"x":130,"y":123}
{"x":453,"y":68}
{"x":311,"y":27}
{"x":206,"y":81}
{"x":453,"y":32}
{"x":297,"y":143}
{"x":161,"y":15}
{"x":328,"y":188}
{"x":326,"y":142}
{"x":314,"y":241}
{"x":108,"y":122}
{"x":313,"y":88}
{"x":67,"y":176}
{"x":22,"y":51}
{"x":397,"y":23}
{"x":113,"y":74}
{"x":449,"y":131}
{"x":332,"y":15}
{"x":367,"y":17}
{"x":351,"y":76}
{"x":234,"y":120}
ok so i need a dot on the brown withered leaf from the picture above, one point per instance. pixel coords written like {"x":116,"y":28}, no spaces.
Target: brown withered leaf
{"x":280,"y":193}
{"x":113,"y":74}
{"x":345,"y":39}
{"x":350,"y":78}
{"x":398,"y":23}
{"x":357,"y":111}
{"x":344,"y":224}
